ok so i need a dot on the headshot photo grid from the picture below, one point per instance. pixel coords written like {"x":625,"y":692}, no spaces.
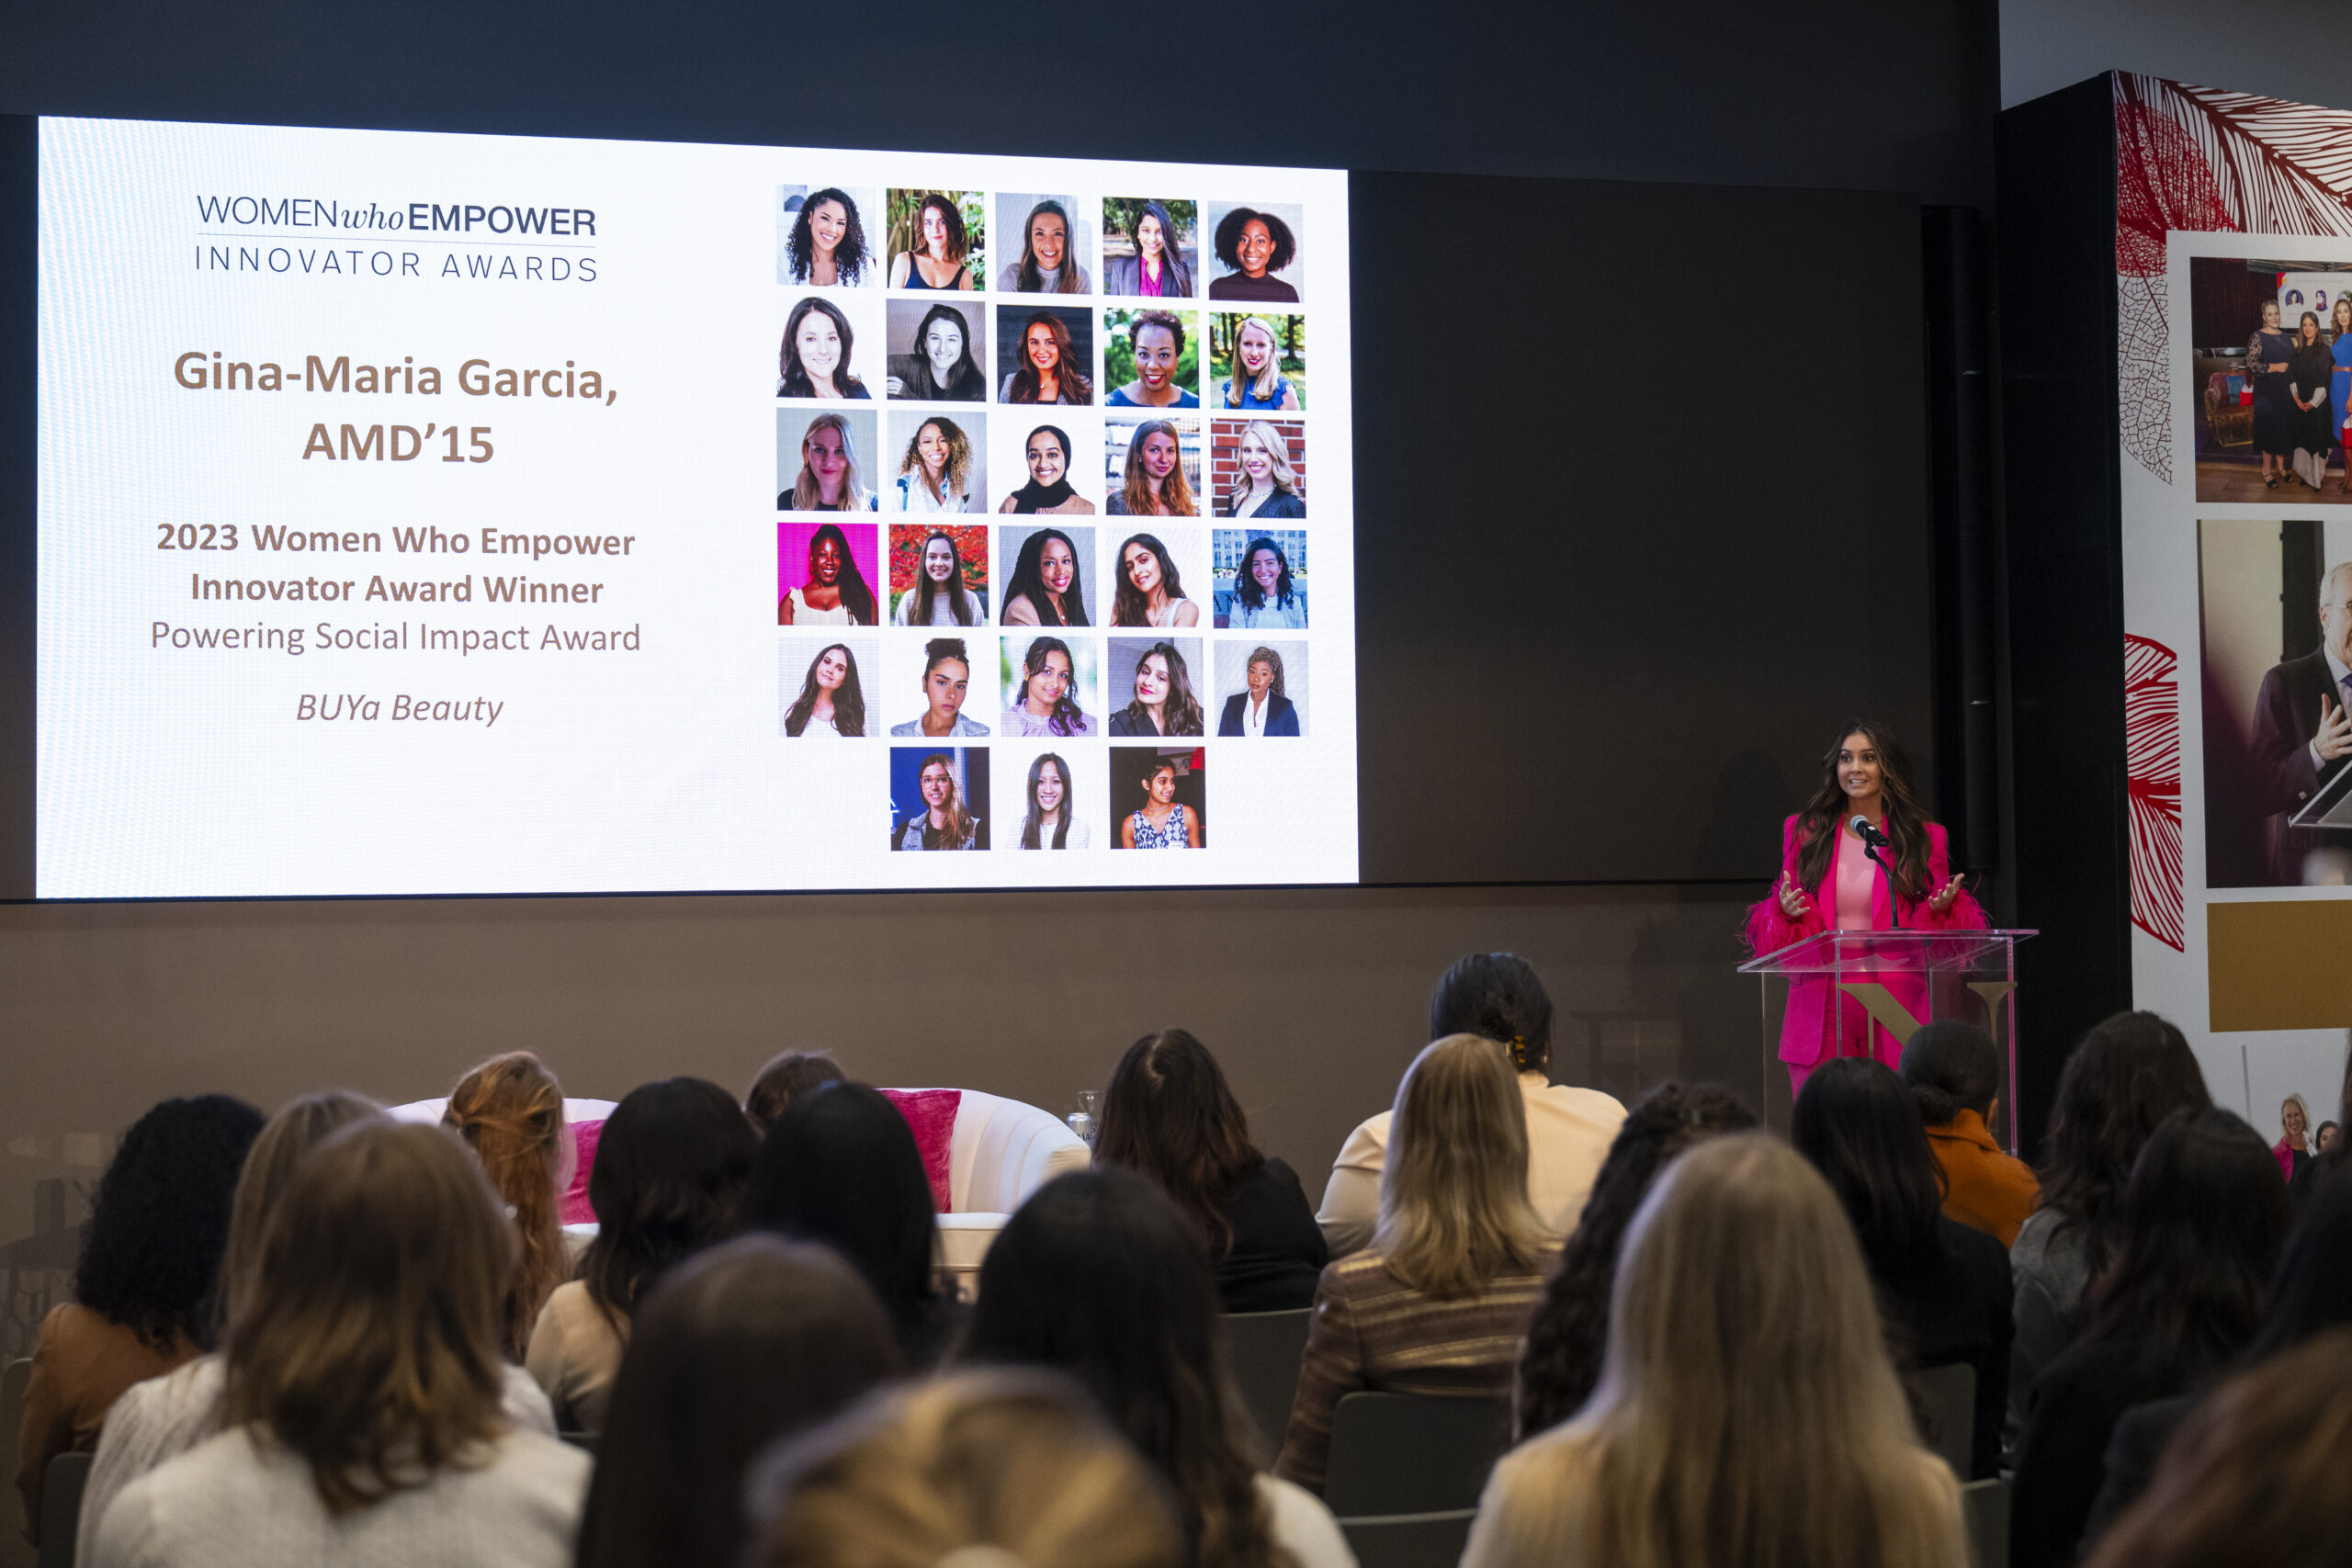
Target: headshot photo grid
{"x":944,"y":356}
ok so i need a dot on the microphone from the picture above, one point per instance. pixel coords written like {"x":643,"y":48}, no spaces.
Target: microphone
{"x":1868,"y":834}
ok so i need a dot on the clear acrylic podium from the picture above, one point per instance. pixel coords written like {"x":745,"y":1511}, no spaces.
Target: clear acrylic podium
{"x":1892,"y":976}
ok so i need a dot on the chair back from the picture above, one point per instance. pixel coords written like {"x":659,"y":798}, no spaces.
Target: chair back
{"x":1409,"y":1540}
{"x":1986,"y":1506}
{"x":61,"y":1508}
{"x":1413,"y":1453}
{"x":15,"y":1551}
{"x":1266,"y":1349}
{"x":1948,"y":1395}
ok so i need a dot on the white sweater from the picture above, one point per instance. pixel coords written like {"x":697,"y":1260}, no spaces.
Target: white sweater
{"x":234,"y":1502}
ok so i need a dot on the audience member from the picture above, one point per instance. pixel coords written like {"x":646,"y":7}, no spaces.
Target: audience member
{"x":2257,"y":1475}
{"x":1560,"y":1363}
{"x":978,"y":1470}
{"x":841,"y":1168}
{"x":2202,"y":1220}
{"x":2311,"y":1294}
{"x":1100,"y":1276}
{"x":146,"y":1288}
{"x":1953,"y":1071}
{"x":2293,"y":1151}
{"x":363,"y":1394}
{"x":1496,"y":995}
{"x":1944,"y":1286}
{"x":1746,"y":1411}
{"x":168,"y":1415}
{"x":668,"y":1181}
{"x":510,"y":1111}
{"x":752,"y":1341}
{"x":789,"y":1076}
{"x":2129,"y":1072}
{"x":1170,"y":1114}
{"x":1436,"y":1303}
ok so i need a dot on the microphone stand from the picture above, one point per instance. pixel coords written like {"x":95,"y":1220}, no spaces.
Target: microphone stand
{"x":1894,"y":906}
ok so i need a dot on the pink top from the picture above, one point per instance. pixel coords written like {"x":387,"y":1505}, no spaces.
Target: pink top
{"x":1855,"y":875}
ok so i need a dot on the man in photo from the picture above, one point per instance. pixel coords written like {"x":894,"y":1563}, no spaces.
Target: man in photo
{"x":946,"y":676}
{"x":2302,"y":733}
{"x":1263,"y":709}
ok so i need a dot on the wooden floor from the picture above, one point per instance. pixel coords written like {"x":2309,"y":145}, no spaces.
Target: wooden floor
{"x":2241,"y":484}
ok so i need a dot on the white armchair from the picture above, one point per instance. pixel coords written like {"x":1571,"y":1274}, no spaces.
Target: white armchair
{"x":1001,"y":1151}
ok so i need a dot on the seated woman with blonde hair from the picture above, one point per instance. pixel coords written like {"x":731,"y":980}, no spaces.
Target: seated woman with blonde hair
{"x":1746,"y":1411}
{"x":510,"y":1111}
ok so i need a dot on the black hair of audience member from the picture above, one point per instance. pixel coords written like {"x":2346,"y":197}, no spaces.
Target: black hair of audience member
{"x":754,"y":1342}
{"x":1099,"y":1275}
{"x":841,"y":1168}
{"x":151,"y":1258}
{"x":1862,"y":1130}
{"x":2130,"y":1071}
{"x":789,"y":1076}
{"x":1169,"y":1114}
{"x":1496,"y":995}
{"x":2336,"y":1159}
{"x":671,"y":1167}
{"x":1559,"y":1364}
{"x":1951,"y":1066}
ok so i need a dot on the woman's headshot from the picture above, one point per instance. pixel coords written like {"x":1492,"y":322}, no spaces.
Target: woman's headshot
{"x":1047,"y":454}
{"x":1053,"y":822}
{"x":946,"y":684}
{"x":834,"y":590}
{"x":1263,"y":595}
{"x":1253,"y":245}
{"x":827,"y":246}
{"x":1049,"y":365}
{"x":830,"y":477}
{"x":1049,"y":262}
{"x":932,"y":246}
{"x":1163,"y":822}
{"x":831,"y":705}
{"x":1048,"y":588}
{"x":1154,"y":483}
{"x":1155,"y":341}
{"x":939,"y":360}
{"x":942,"y":819}
{"x":1163,"y":703}
{"x":814,"y":361}
{"x":935,"y":474}
{"x":1262,"y":706}
{"x":941,"y":592}
{"x":1254,"y":378}
{"x":1046,"y":698}
{"x":1159,"y":264}
{"x":1265,"y":481}
{"x":1150,"y":594}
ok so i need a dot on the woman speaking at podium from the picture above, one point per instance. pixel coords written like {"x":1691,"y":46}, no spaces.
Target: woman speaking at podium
{"x":1828,"y":883}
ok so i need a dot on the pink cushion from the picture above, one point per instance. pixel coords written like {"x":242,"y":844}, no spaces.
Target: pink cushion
{"x":576,"y":1208}
{"x":932,"y":1113}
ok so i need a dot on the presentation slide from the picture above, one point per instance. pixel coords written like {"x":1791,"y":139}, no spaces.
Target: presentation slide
{"x":464,"y":515}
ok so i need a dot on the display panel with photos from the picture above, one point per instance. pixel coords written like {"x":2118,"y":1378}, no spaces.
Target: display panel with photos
{"x":449,"y":562}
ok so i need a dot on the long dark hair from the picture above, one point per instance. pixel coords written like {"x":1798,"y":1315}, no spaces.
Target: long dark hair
{"x":1244,"y":583}
{"x":959,"y":602}
{"x":1169,"y":1114}
{"x":795,"y":381}
{"x":1560,"y":1364}
{"x":668,"y":1181}
{"x":1029,"y":576}
{"x":1026,"y":279}
{"x":1494,"y":995}
{"x":849,"y":256}
{"x":1067,"y":715}
{"x":1819,"y":822}
{"x":1071,"y":383}
{"x":1180,"y":707}
{"x":1100,"y":1276}
{"x":1173,"y":277}
{"x":151,"y":1256}
{"x":849,"y":699}
{"x":841,"y":1168}
{"x":2311,"y":1291}
{"x":746,"y":1343}
{"x":1950,"y":1066}
{"x":965,"y":381}
{"x":2204,"y":1219}
{"x":1862,"y":1130}
{"x":2130,"y":1071}
{"x":1032,"y":830}
{"x":855,"y":595}
{"x":1129,"y":607}
{"x":959,"y":244}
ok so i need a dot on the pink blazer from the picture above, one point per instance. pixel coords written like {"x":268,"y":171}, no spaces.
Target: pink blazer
{"x":1804,"y":1031}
